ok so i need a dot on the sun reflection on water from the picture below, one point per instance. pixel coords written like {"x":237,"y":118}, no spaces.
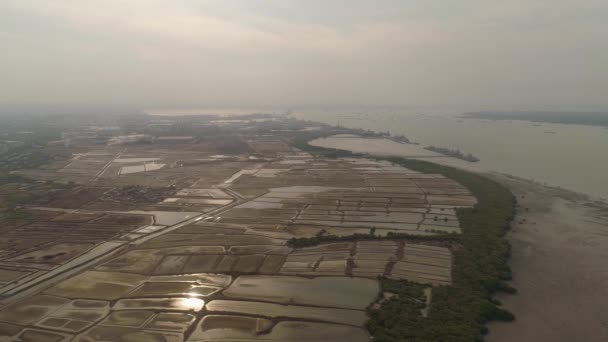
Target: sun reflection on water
{"x":192,"y":303}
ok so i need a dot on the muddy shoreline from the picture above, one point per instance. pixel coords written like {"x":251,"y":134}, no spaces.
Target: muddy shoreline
{"x":559,"y":244}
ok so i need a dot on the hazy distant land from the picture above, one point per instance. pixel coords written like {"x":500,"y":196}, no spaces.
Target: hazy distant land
{"x":561,"y":117}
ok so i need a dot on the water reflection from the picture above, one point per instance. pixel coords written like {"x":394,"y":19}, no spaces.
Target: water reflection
{"x":192,"y":303}
{"x":571,"y":158}
{"x":181,"y":304}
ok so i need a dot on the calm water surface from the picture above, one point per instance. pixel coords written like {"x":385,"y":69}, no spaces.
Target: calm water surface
{"x":570,"y":156}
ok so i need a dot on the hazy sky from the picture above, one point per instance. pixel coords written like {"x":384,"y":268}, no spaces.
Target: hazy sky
{"x":248,"y":52}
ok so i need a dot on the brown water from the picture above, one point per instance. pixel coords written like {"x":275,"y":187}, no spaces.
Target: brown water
{"x":271,"y":310}
{"x":337,"y":292}
{"x":250,"y":329}
{"x":570,"y":156}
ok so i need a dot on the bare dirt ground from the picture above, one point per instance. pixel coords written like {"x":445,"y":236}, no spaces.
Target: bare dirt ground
{"x":559,"y":262}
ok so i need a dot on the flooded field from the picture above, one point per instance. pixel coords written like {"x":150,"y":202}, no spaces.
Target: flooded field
{"x":349,"y":317}
{"x":39,"y":250}
{"x":145,"y":167}
{"x":339,"y":292}
{"x":372,"y":195}
{"x":247,"y":329}
{"x":199,"y":250}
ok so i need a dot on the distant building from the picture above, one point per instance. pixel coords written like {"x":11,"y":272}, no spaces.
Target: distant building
{"x":75,"y":138}
{"x":25,"y":136}
{"x":160,"y":126}
{"x":131,"y":139}
{"x":161,"y":122}
{"x":104,"y":130}
{"x":175,"y":140}
{"x":7,"y":145}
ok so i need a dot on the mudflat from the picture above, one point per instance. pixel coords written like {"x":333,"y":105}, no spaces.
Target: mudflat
{"x":559,"y":261}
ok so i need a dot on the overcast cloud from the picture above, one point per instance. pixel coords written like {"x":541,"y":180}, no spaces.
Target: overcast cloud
{"x":289,"y":52}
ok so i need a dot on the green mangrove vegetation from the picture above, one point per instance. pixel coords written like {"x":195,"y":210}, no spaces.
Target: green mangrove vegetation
{"x":457,"y":312}
{"x":328,"y":238}
{"x":454,"y":153}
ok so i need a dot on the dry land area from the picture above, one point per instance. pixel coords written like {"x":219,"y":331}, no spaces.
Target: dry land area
{"x":234,"y":264}
{"x":248,"y":239}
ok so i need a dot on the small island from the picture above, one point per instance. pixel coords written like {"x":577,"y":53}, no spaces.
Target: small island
{"x":558,"y":117}
{"x":400,"y":139}
{"x":454,"y":153}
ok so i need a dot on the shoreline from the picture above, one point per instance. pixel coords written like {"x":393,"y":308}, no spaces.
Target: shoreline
{"x":559,"y":242}
{"x":567,"y":159}
{"x":416,"y":151}
{"x":461,"y":310}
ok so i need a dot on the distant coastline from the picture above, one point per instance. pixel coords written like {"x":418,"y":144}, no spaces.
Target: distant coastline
{"x":557,"y":117}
